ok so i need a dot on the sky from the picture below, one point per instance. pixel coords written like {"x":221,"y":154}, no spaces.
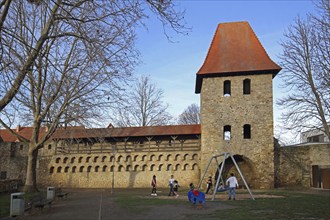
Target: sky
{"x":173,"y":66}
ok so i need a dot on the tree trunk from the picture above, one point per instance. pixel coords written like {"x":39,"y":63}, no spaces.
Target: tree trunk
{"x":31,"y":177}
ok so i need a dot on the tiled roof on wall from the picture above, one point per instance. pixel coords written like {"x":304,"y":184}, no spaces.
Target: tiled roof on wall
{"x":26,"y":132}
{"x":81,"y":132}
{"x":129,"y":131}
{"x":235,"y":50}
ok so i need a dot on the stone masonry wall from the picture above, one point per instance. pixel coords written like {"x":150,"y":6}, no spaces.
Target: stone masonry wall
{"x":129,"y":169}
{"x":13,"y":157}
{"x":255,"y":109}
{"x":295,"y":164}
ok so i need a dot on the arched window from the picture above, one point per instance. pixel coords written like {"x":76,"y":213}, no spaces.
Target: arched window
{"x":160,"y":157}
{"x":59,"y":169}
{"x":177,"y":167}
{"x":112,"y":158}
{"x":168,"y":157}
{"x":143,"y":157}
{"x":144,"y":167}
{"x":247,"y":131}
{"x":246,"y":86}
{"x":194,"y":166}
{"x":51,"y":170}
{"x":112,"y":168}
{"x":104,"y":169}
{"x":152,"y":157}
{"x":128,"y":168}
{"x":81,"y":169}
{"x":128,"y":158}
{"x":80,"y":159}
{"x":65,"y":159}
{"x":185,"y":167}
{"x":57,"y":160}
{"x":66,"y":169}
{"x":120,"y":168}
{"x":152,"y":167}
{"x":119,"y":158}
{"x":73,"y":159}
{"x":226,"y":88}
{"x":136,"y":168}
{"x":87,"y":159}
{"x":169,"y":167}
{"x":227,"y":132}
{"x":185,"y":157}
{"x":89,"y":169}
{"x":160,"y":167}
{"x":104,"y":158}
{"x":135,"y":157}
{"x":95,"y":159}
{"x":97,"y":169}
{"x":74,"y":169}
{"x":194,"y":157}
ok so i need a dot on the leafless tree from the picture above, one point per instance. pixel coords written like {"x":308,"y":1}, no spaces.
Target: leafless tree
{"x":80,"y":52}
{"x":7,"y":58}
{"x":191,"y":115}
{"x":305,"y":62}
{"x":143,"y":106}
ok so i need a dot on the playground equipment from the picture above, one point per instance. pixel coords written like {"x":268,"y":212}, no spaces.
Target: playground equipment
{"x":225,"y":156}
{"x":197,"y":198}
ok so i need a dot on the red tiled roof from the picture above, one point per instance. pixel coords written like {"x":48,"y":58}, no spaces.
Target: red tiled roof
{"x":26,"y":132}
{"x":81,"y":132}
{"x":129,"y":131}
{"x":235,"y":50}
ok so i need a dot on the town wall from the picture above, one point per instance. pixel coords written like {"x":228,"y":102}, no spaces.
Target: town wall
{"x":296,"y":164}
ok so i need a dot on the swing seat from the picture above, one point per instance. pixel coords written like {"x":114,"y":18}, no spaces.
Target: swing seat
{"x":223,"y":189}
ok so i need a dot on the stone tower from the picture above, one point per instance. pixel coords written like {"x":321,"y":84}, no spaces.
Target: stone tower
{"x":235,"y":86}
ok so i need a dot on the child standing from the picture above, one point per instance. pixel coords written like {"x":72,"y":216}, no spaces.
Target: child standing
{"x":209,"y":185}
{"x":175,"y":188}
{"x":153,"y":184}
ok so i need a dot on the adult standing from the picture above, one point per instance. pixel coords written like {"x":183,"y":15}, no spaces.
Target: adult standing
{"x":171,"y":184}
{"x":153,"y":184}
{"x":232,"y":183}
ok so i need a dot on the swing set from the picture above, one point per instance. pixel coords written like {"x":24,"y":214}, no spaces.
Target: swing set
{"x":225,"y":156}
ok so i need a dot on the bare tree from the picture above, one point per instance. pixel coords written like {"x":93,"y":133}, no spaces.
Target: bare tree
{"x":143,"y":106}
{"x":87,"y":51}
{"x":305,"y":62}
{"x":191,"y":115}
{"x":8,"y":58}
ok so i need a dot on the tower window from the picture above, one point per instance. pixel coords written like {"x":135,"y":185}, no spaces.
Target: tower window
{"x":227,"y":132}
{"x":247,"y":131}
{"x":246,"y":86}
{"x":226,"y":88}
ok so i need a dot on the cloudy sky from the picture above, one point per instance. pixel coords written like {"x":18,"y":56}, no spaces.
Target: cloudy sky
{"x":173,"y":66}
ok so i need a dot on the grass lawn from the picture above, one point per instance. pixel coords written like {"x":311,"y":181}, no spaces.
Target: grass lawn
{"x":291,"y":204}
{"x":294,"y":205}
{"x":310,"y":204}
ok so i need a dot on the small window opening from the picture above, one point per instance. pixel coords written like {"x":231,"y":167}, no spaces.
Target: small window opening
{"x":247,"y":131}
{"x":226,"y":88}
{"x":246,"y":86}
{"x":227,"y":132}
